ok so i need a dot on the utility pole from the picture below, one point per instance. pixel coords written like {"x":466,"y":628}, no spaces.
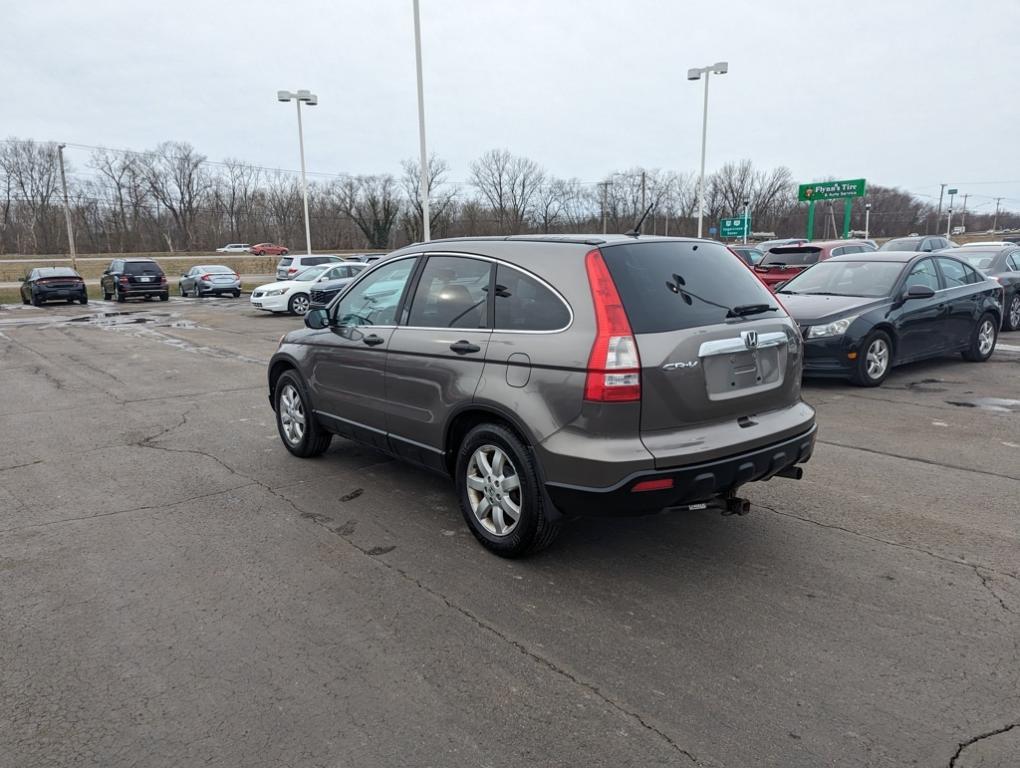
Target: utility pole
{"x":642,"y":212}
{"x":67,"y":208}
{"x":995,"y":221}
{"x":938,"y":214}
{"x":949,"y":218}
{"x":963,"y":217}
{"x":605,"y":215}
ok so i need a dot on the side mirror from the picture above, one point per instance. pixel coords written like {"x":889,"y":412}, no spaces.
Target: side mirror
{"x":317,"y":319}
{"x":918,"y":292}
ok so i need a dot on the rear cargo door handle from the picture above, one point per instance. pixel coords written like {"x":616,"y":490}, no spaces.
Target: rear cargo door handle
{"x":373,"y":340}
{"x":464,"y":347}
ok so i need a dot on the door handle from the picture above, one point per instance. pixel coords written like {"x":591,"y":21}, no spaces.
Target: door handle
{"x":373,"y":340}
{"x":464,"y":347}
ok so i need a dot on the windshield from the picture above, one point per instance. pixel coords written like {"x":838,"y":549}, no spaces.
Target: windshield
{"x":676,"y":285}
{"x":901,"y":244}
{"x":794,"y":256}
{"x":847,"y":278}
{"x":309,"y":274}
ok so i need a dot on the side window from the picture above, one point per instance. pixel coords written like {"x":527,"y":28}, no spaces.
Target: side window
{"x":954,"y":272}
{"x":972,"y":275}
{"x":837,"y":252}
{"x":924,"y":273}
{"x":1013,"y":262}
{"x":375,"y":299}
{"x":453,"y":293}
{"x":524,"y":304}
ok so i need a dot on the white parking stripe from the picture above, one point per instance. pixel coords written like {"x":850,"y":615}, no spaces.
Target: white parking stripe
{"x":1007,"y":347}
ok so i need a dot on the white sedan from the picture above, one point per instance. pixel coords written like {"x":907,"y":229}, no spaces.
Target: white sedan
{"x":234,"y":248}
{"x":294,"y":295}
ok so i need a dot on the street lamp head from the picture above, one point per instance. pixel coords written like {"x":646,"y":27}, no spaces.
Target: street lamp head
{"x":694,"y":74}
{"x":312,"y":100}
{"x":867,"y":206}
{"x":721,"y":67}
{"x":284,"y":95}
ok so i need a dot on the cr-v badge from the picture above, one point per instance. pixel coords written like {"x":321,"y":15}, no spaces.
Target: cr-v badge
{"x":681,"y":364}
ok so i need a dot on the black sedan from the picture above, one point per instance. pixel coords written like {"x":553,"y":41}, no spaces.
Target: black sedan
{"x":336,"y":280}
{"x":861,"y":314}
{"x":53,"y":284}
{"x":1002,"y":264}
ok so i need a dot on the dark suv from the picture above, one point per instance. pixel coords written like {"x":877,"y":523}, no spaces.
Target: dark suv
{"x":134,"y":278}
{"x":555,"y":376}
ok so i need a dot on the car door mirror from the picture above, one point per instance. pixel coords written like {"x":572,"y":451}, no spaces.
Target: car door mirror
{"x":919,"y":292}
{"x":317,"y":319}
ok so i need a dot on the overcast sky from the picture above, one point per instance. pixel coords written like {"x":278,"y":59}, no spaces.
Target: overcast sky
{"x":902,"y":93}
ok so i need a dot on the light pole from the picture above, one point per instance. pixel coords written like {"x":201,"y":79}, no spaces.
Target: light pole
{"x":949,"y":218}
{"x":311,"y":100}
{"x":867,"y":220}
{"x":67,"y":208}
{"x":424,"y":182}
{"x":747,"y":223}
{"x":719,"y":68}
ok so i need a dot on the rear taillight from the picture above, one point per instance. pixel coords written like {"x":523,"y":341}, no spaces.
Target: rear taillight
{"x":162,"y":279}
{"x":124,"y":278}
{"x":291,"y":270}
{"x":614,"y":368}
{"x":205,"y":277}
{"x":662,"y":484}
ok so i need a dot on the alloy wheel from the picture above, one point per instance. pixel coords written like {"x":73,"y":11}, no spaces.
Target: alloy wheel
{"x":877,"y":358}
{"x":986,"y":337}
{"x":292,"y":414}
{"x":299,"y":304}
{"x":1014,"y":313}
{"x":494,"y":490}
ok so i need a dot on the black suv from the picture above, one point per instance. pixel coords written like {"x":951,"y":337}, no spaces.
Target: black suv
{"x":555,"y":375}
{"x":134,"y":278}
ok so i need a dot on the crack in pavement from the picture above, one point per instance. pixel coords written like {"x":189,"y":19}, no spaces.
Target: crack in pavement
{"x":373,"y":555}
{"x":964,"y":744}
{"x":929,"y":462}
{"x":889,"y":542}
{"x":143,"y":508}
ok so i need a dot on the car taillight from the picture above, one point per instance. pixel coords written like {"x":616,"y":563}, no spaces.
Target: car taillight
{"x":205,"y":277}
{"x":614,"y":368}
{"x":291,"y":270}
{"x":162,"y":279}
{"x":662,"y":484}
{"x":123,"y":278}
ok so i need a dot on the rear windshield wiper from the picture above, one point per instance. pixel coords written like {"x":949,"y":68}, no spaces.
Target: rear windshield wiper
{"x":743,"y":310}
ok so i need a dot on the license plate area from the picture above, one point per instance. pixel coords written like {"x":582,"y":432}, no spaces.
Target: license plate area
{"x":736,"y":371}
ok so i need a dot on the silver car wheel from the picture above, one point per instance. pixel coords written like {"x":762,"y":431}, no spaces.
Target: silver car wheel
{"x":1014,"y":312}
{"x":292,"y":414}
{"x":877,"y":358}
{"x":299,"y":304}
{"x":986,"y":338}
{"x":494,"y":490}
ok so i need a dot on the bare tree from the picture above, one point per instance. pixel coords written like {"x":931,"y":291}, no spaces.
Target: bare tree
{"x":509,"y":184}
{"x":178,"y":181}
{"x":441,"y":197}
{"x":373,"y":202}
{"x":32,"y":176}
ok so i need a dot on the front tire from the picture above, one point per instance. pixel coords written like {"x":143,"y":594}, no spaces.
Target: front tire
{"x":499,"y":494}
{"x":1013,"y":314}
{"x":298,"y":304}
{"x":301,"y":433}
{"x":982,"y":339}
{"x":874,"y":361}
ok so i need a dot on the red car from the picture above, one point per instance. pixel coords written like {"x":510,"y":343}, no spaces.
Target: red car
{"x":785,"y":262}
{"x":268,"y":249}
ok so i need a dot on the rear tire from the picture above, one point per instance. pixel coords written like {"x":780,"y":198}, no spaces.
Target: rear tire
{"x":299,"y":430}
{"x":164,"y":296}
{"x":237,"y":294}
{"x":488,"y":501}
{"x":1012,"y":321}
{"x":121,"y":297}
{"x":874,"y":360}
{"x":107,"y":296}
{"x":982,"y":339}
{"x":36,"y":301}
{"x":83,"y":300}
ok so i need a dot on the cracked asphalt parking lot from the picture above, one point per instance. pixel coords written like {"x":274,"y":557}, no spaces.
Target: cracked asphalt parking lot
{"x":177,"y":590}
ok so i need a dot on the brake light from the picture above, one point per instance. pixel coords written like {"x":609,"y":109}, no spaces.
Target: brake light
{"x":124,"y":278}
{"x":291,"y":270}
{"x":614,"y":368}
{"x":205,"y":277}
{"x":662,"y":484}
{"x":162,"y":279}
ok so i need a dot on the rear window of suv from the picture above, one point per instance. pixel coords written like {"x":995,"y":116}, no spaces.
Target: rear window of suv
{"x":795,"y":255}
{"x":286,"y":262}
{"x":142,"y":268}
{"x":709,"y":280}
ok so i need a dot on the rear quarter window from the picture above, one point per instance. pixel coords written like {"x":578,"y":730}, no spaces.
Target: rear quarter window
{"x":286,"y":261}
{"x":709,"y":276}
{"x":524,"y":304}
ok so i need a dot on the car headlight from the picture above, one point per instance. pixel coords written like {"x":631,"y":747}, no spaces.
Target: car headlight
{"x":835,"y":328}
{"x":275,"y":292}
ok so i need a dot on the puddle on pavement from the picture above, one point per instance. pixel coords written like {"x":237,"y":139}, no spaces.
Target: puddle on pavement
{"x":111,"y":319}
{"x":997,"y":404}
{"x":928,"y":385}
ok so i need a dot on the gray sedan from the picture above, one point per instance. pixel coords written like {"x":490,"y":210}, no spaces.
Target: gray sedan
{"x":214,"y":278}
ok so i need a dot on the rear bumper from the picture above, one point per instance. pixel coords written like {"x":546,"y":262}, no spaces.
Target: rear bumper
{"x":691,"y":484}
{"x":52,"y":294}
{"x":143,"y":290}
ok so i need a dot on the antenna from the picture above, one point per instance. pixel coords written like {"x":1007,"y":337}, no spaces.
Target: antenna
{"x":636,"y":231}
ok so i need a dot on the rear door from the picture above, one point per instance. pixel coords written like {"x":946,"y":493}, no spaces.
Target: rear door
{"x":709,"y":376}
{"x":963,"y":303}
{"x":437,"y":353}
{"x":348,"y":359}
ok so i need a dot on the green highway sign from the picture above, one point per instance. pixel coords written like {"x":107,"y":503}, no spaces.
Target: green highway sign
{"x":831,"y":190}
{"x":953,"y":191}
{"x":734,"y":227}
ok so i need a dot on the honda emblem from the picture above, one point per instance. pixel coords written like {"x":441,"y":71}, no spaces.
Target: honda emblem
{"x":750,"y":339}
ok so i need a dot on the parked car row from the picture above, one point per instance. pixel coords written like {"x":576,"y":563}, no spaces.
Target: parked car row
{"x":316,"y":283}
{"x":260,"y":249}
